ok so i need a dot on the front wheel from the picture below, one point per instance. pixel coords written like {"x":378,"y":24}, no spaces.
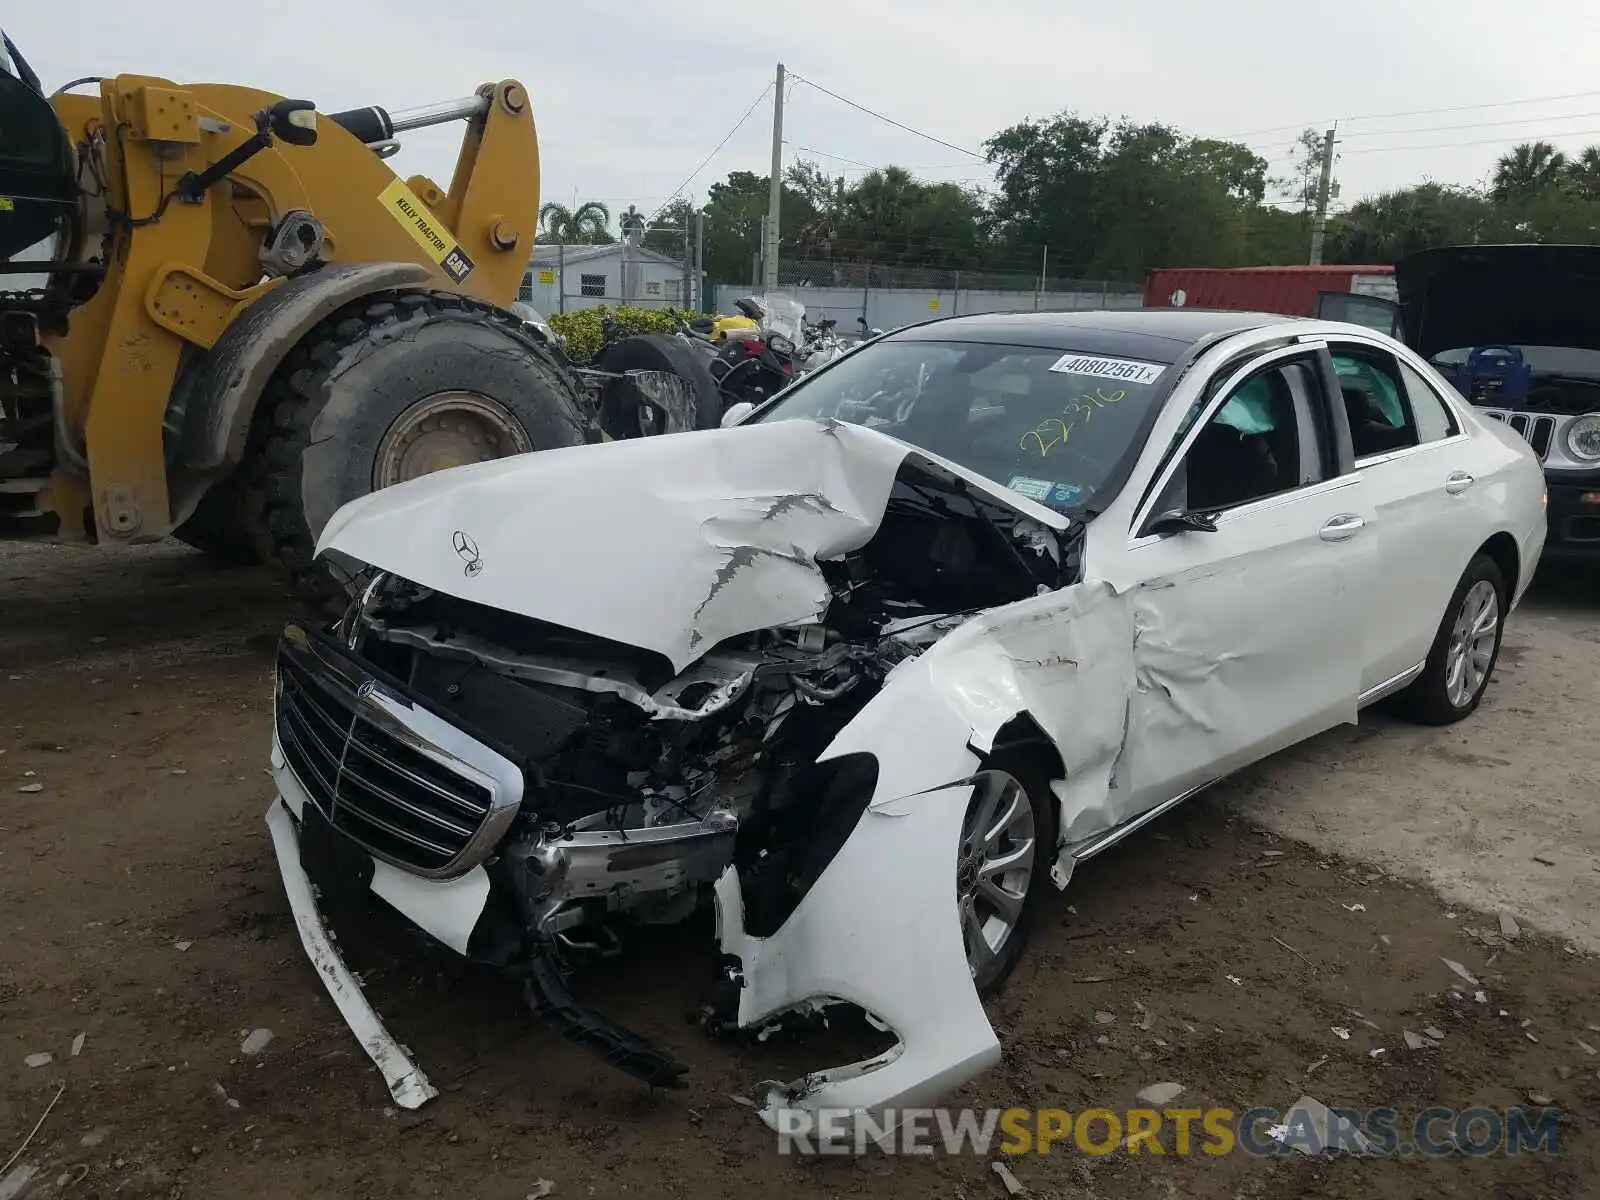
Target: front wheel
{"x":1464,"y":651}
{"x":1008,"y":840}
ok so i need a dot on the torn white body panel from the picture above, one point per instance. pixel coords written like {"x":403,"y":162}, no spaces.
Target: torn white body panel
{"x":897,"y":952}
{"x":406,"y":1082}
{"x":726,"y":526}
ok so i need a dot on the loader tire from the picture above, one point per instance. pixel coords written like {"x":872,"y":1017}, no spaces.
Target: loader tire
{"x":217,"y":528}
{"x":392,"y":387}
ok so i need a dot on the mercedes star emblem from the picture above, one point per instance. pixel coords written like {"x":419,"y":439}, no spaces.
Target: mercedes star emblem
{"x":467,"y":552}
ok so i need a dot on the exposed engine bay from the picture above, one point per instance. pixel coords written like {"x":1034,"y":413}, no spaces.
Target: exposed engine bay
{"x":640,"y":785}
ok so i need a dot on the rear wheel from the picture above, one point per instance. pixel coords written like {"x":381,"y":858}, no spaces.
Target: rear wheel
{"x":1008,"y":840}
{"x":386,"y":390}
{"x":1464,"y":651}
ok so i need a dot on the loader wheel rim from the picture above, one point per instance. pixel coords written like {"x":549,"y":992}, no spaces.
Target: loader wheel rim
{"x":447,"y":429}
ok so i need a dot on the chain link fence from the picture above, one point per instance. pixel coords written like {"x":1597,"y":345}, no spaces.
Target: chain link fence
{"x":888,"y":295}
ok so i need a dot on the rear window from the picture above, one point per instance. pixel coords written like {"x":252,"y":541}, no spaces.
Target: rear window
{"x":1052,"y":425}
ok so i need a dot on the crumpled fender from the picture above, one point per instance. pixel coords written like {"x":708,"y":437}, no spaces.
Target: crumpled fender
{"x":879,"y":928}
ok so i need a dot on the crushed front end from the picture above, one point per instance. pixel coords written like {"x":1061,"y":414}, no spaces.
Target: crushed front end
{"x":525,"y":792}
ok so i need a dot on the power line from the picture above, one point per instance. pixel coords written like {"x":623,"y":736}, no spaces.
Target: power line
{"x":890,"y":120}
{"x":1418,"y":112}
{"x":1474,"y":125}
{"x":1499,"y":141}
{"x":718,"y":150}
{"x":880,"y":166}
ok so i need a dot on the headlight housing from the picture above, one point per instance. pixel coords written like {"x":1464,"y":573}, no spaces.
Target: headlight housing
{"x":1583,"y":438}
{"x":780,"y":344}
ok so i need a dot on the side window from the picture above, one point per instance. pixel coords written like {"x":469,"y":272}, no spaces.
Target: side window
{"x":1433,"y":418}
{"x":1261,"y":442}
{"x":1375,"y":401}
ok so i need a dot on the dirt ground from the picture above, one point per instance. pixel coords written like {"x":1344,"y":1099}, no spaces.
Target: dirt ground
{"x":140,"y":911}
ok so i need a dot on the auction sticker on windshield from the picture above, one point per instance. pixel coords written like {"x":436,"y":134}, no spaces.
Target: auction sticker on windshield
{"x":1056,"y":495}
{"x":1126,"y":370}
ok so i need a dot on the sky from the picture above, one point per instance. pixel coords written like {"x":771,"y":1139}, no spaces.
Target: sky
{"x":632,"y":95}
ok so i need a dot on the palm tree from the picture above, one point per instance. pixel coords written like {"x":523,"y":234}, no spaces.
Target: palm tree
{"x":632,"y":222}
{"x":583,"y":225}
{"x":1529,"y":168}
{"x":1584,"y":172}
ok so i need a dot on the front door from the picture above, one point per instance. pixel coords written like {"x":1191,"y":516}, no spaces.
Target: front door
{"x":1252,"y":566}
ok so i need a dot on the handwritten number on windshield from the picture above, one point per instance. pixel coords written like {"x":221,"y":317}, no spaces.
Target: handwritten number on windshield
{"x":1053,"y":431}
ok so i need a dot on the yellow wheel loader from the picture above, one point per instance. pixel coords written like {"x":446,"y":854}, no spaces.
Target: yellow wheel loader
{"x":222,"y":315}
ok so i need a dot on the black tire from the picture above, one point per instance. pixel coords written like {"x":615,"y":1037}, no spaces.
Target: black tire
{"x":1427,"y":701}
{"x":620,"y":399}
{"x":324,"y":415}
{"x":1030,"y":769}
{"x":218,"y":529}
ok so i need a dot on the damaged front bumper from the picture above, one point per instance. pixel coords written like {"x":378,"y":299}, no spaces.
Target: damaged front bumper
{"x":406,"y":1082}
{"x":877,"y":929}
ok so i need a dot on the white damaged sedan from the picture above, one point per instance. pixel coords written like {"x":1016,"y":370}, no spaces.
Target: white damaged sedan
{"x":873,"y":669}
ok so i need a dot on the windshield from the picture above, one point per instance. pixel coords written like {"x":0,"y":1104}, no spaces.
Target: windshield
{"x":1049,"y":425}
{"x":1543,"y":360}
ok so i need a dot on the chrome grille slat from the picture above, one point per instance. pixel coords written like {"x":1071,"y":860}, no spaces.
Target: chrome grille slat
{"x":404,"y":805}
{"x":402,"y":783}
{"x":1537,"y":429}
{"x":470,"y":808}
{"x":348,"y":807}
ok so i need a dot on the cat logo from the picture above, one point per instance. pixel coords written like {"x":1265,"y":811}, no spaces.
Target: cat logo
{"x":401,"y":203}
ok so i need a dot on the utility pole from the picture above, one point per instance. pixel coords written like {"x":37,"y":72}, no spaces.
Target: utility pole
{"x":1319,"y":222}
{"x":769,"y":260}
{"x":700,"y":261}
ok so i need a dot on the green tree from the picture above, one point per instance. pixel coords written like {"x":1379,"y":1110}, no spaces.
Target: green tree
{"x":1383,"y":228}
{"x":1583,"y":174}
{"x":666,"y":232}
{"x":586,"y":224}
{"x":734,"y":208}
{"x":1113,"y":201}
{"x":1528,"y":169}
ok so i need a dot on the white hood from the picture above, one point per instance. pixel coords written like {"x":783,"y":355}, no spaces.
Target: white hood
{"x":670,"y":543}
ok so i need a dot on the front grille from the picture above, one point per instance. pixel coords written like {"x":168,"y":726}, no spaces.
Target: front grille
{"x":396,"y":779}
{"x":1538,"y":430}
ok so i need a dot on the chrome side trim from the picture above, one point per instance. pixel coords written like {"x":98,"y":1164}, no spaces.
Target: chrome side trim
{"x":1390,"y":686}
{"x":1089,"y":847}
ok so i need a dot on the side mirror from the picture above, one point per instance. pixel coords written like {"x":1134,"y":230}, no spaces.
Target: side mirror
{"x":1178,"y":521}
{"x":294,"y":121}
{"x":737,"y":412}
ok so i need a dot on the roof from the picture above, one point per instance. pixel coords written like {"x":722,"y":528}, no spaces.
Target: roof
{"x":1153,"y":334}
{"x":549,"y":255}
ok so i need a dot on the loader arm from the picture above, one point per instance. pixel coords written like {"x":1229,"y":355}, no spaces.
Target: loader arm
{"x":181,"y":269}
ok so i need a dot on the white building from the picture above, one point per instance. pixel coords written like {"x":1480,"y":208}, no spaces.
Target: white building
{"x":564,"y":278}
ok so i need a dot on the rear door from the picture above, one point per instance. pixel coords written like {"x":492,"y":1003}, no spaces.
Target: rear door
{"x":1408,"y":450}
{"x":1250,"y":635}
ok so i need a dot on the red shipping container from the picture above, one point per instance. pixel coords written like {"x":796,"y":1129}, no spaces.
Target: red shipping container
{"x":1292,"y":291}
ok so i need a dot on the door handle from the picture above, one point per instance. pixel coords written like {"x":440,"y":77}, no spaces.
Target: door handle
{"x":1458,"y":482}
{"x":1343,"y":527}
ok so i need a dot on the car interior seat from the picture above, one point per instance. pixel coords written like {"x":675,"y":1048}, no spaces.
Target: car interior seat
{"x":1370,"y":430}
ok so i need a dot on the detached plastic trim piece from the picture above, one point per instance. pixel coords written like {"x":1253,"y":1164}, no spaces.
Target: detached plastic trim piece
{"x":407,"y":1084}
